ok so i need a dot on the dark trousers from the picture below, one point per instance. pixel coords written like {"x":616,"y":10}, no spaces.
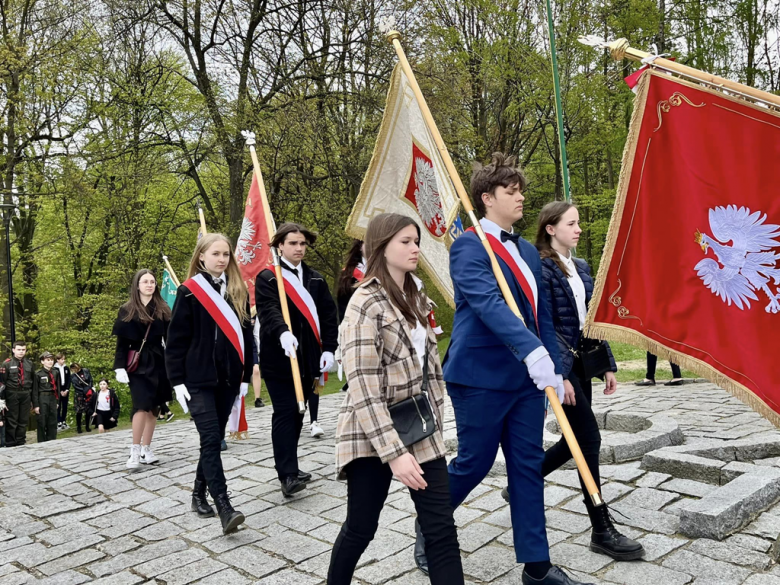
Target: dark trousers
{"x":314,"y":407}
{"x":62,"y":408}
{"x":47,"y":417}
{"x":87,"y":416}
{"x":210,"y":408}
{"x":585,"y":428}
{"x":368,"y":481}
{"x":18,"y":416}
{"x":514,"y":420}
{"x":286,"y":423}
{"x":651,"y":363}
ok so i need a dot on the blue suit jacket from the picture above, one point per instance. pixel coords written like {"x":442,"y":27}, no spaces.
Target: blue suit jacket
{"x":489,"y":342}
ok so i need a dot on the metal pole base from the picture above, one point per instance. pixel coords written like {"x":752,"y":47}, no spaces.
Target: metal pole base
{"x":596,"y":499}
{"x":302,"y":407}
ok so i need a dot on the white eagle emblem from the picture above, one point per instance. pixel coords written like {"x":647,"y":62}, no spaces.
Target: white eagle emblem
{"x":427,"y":197}
{"x":246,"y":251}
{"x":746,"y":267}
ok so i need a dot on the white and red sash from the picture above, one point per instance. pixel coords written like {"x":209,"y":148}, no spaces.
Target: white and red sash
{"x":500,"y":251}
{"x":219,"y":310}
{"x":302,"y":300}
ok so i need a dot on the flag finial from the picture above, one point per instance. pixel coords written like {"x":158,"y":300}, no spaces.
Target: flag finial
{"x":249,"y":137}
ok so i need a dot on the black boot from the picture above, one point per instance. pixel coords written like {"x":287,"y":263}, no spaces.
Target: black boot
{"x":231,"y":519}
{"x":199,"y":502}
{"x":292,"y":485}
{"x":419,"y":549}
{"x":606,"y":539}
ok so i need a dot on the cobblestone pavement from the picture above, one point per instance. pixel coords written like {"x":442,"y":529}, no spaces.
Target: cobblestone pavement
{"x":71,"y":513}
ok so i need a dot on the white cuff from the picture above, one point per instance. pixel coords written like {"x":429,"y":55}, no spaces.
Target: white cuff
{"x":535,"y":356}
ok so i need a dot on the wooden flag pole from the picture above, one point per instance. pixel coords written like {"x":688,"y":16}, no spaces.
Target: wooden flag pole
{"x":202,"y":218}
{"x":620,"y":49}
{"x":395,"y":38}
{"x":170,"y":271}
{"x":296,"y":372}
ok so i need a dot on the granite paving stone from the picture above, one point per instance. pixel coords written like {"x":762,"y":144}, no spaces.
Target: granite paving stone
{"x":65,"y":518}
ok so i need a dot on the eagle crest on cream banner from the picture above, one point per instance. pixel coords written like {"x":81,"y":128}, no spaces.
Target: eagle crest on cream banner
{"x":406,"y":175}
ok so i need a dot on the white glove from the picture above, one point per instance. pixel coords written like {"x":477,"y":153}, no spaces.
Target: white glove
{"x":182,"y":396}
{"x":542,"y":372}
{"x":326,"y":361}
{"x":341,"y":371}
{"x":121,"y":376}
{"x":244,"y":389}
{"x":559,"y":388}
{"x":289,"y":343}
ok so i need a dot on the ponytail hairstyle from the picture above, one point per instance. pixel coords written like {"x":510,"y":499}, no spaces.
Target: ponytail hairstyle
{"x":551,"y":214}
{"x":354,"y":257}
{"x":236,"y":292}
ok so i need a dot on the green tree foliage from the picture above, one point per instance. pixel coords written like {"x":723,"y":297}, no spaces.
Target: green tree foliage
{"x":119,"y":116}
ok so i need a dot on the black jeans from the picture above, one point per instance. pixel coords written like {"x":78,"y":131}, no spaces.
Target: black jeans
{"x":286,"y":423}
{"x":210,"y":408}
{"x":62,"y":409}
{"x":652,"y":361}
{"x":314,"y":407}
{"x":585,"y":428}
{"x":368,"y":481}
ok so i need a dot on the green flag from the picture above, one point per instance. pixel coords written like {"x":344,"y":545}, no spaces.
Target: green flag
{"x":168,"y":288}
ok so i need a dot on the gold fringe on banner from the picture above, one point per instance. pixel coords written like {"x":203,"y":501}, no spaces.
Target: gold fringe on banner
{"x":239,"y":435}
{"x":610,"y":332}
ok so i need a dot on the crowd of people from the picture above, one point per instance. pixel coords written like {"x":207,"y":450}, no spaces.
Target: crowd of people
{"x":207,"y":350}
{"x":45,"y":394}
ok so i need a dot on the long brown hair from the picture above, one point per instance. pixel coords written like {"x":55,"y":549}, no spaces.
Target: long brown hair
{"x":135,"y":309}
{"x":354,"y":257}
{"x":236,"y":291}
{"x":381,"y":230}
{"x":551,"y":214}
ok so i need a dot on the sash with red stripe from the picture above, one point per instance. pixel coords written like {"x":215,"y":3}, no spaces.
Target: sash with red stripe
{"x":219,"y":310}
{"x":304,"y":302}
{"x":500,"y":251}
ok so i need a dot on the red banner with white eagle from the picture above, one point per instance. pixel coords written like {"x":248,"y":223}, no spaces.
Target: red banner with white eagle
{"x":691,"y":269}
{"x":253,"y":250}
{"x":407,"y":176}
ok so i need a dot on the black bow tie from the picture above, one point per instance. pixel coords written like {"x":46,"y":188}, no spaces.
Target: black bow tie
{"x":507,"y":236}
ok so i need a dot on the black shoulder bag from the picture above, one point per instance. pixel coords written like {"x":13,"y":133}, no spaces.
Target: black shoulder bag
{"x":594,"y":356}
{"x":413,"y":417}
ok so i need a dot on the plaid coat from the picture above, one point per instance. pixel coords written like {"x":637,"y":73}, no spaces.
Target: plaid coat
{"x":382,"y":368}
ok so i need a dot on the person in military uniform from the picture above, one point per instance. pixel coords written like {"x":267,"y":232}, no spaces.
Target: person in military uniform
{"x":45,"y":397}
{"x":17,"y":374}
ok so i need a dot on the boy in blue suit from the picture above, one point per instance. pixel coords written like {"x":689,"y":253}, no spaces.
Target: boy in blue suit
{"x":497,"y":367}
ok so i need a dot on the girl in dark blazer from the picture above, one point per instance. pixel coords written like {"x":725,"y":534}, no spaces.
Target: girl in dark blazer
{"x":209,"y":362}
{"x":142,"y":325}
{"x":569,"y":286}
{"x":83,"y":394}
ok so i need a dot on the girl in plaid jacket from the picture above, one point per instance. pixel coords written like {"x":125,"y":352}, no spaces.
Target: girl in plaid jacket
{"x":384,"y":338}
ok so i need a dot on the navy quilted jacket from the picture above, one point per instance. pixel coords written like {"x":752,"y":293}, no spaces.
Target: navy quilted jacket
{"x":564,"y":308}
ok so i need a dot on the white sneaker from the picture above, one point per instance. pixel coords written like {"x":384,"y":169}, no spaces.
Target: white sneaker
{"x":134,"y":461}
{"x":147,"y":455}
{"x":316,"y":430}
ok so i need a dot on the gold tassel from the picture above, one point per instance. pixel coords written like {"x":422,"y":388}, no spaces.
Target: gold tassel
{"x":239,"y":435}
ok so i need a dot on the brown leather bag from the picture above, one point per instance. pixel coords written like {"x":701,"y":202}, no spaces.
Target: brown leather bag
{"x":134,"y":357}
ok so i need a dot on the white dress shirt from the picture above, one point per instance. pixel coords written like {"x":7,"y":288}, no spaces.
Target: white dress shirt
{"x":495,"y":230}
{"x":104,"y":400}
{"x":419,"y":339}
{"x":577,"y":287}
{"x":299,"y":268}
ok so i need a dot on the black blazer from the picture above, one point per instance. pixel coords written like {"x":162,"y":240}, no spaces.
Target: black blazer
{"x":130,"y":335}
{"x":197,"y":353}
{"x":82,"y":381}
{"x":273,"y":362}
